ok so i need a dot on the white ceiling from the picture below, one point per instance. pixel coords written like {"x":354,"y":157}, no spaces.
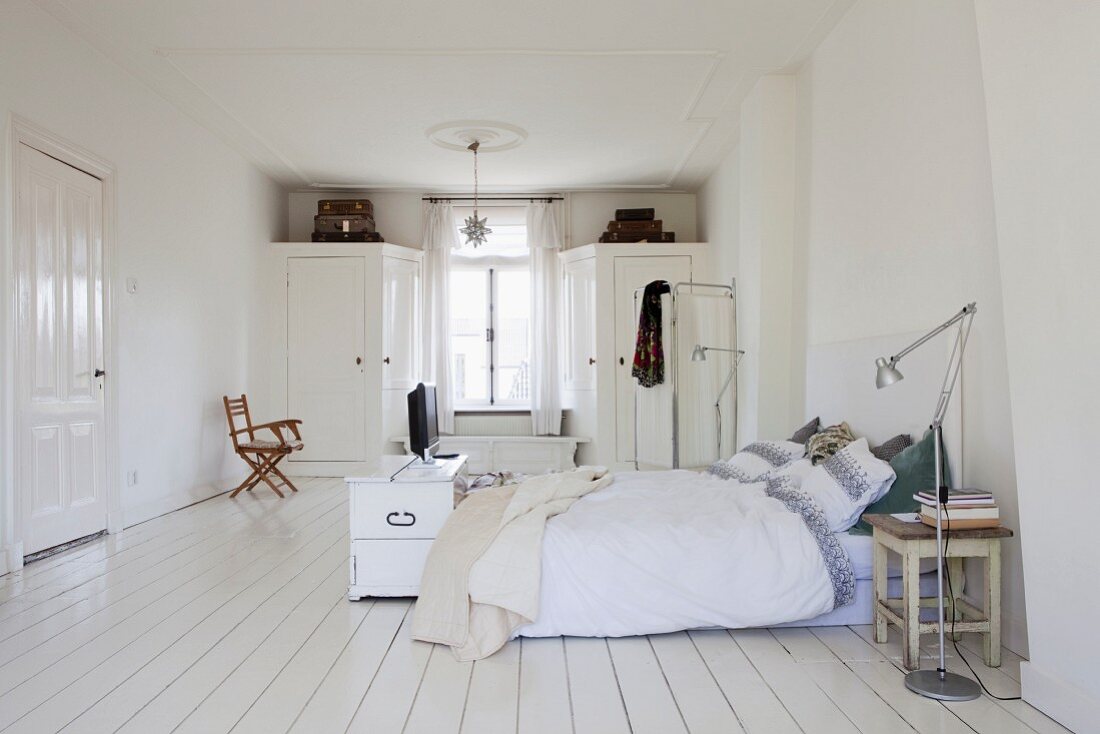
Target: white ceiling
{"x":614,"y":94}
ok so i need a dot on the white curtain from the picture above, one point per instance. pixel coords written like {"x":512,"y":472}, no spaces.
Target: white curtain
{"x":440,"y":237}
{"x":545,"y":240}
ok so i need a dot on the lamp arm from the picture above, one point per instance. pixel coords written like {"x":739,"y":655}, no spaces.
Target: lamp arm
{"x":954,"y":364}
{"x":969,"y":309}
{"x":733,"y":371}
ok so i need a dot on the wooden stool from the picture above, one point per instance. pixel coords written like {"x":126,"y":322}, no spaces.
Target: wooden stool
{"x":914,"y":541}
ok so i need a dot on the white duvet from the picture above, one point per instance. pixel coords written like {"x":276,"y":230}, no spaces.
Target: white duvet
{"x":663,"y":551}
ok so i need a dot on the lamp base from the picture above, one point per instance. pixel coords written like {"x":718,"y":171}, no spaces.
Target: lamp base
{"x":952,"y":687}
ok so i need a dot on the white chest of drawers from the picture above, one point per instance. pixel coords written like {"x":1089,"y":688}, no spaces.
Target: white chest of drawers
{"x":395,"y":513}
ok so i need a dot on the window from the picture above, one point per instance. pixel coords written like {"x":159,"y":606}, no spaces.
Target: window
{"x":490,"y":312}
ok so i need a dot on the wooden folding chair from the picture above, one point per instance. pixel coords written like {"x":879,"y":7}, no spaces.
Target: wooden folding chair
{"x":262,"y":455}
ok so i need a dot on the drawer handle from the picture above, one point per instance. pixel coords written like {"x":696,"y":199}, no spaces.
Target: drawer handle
{"x":390,"y":519}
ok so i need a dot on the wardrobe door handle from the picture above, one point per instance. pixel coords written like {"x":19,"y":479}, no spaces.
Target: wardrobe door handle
{"x":622,"y":361}
{"x":358,"y":360}
{"x":591,"y":360}
{"x":390,"y":518}
{"x":386,"y":360}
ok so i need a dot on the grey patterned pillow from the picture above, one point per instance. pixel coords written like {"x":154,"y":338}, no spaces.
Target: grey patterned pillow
{"x":890,"y":448}
{"x":802,"y":435}
{"x":827,"y":442}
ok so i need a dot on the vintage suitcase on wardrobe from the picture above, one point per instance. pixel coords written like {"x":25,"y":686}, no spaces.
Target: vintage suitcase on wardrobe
{"x":666,"y":237}
{"x":633,"y":215}
{"x":636,"y":227}
{"x":343,"y":223}
{"x":347,"y":237}
{"x":345,"y":206}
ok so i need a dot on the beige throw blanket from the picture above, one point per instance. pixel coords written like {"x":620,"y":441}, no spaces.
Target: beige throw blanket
{"x":481,"y":581}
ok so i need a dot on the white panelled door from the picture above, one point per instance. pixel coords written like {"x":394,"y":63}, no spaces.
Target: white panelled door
{"x":401,"y":323}
{"x":326,"y":344}
{"x":631,"y":273}
{"x":579,"y":303}
{"x":401,"y":369}
{"x":60,"y":435}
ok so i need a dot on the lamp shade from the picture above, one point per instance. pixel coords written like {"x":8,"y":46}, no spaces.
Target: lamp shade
{"x":887,"y":373}
{"x":699,"y":354}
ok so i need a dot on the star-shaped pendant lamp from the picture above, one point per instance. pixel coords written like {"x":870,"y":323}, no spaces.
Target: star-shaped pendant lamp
{"x":475,"y":230}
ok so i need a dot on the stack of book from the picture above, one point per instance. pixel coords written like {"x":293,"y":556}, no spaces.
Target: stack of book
{"x":966,"y":509}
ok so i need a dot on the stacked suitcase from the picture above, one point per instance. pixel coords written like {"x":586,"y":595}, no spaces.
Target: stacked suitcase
{"x":345,"y":220}
{"x":636,"y":225}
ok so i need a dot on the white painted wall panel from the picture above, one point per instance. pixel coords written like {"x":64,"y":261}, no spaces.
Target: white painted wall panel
{"x":1040,"y":63}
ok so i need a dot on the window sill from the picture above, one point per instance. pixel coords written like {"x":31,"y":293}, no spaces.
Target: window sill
{"x":492,"y":410}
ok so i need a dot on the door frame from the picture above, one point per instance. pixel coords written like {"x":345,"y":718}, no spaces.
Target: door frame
{"x":23,"y":131}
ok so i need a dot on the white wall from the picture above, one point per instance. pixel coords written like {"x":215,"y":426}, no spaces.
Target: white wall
{"x":1041,"y":63}
{"x":747,"y":213}
{"x":191,"y":218}
{"x":719,"y":222}
{"x":898,"y":230}
{"x":766,"y":253}
{"x":398,"y":213}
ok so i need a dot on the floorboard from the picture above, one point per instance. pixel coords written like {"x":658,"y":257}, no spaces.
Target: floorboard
{"x":544,"y":703}
{"x":492,"y":703}
{"x":232,"y":615}
{"x":598,"y":706}
{"x":650,"y":705}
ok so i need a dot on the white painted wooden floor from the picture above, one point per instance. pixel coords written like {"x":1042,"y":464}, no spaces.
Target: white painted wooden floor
{"x":230,"y":616}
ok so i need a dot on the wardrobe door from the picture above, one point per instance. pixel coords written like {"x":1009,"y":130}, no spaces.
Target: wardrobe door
{"x":632,"y":273}
{"x":326,"y":385}
{"x":400,"y":323}
{"x":579,"y":301}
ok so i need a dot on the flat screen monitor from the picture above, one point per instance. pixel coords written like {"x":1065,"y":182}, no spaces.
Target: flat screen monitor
{"x":423,"y":426}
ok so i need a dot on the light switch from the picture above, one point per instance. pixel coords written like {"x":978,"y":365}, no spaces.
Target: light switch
{"x":131,"y":286}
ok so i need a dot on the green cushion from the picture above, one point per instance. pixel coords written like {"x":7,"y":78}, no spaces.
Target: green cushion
{"x":916,"y":470}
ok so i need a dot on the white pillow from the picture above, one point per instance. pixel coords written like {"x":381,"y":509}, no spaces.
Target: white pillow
{"x":764,"y":457}
{"x":796,"y":470}
{"x":847,"y":482}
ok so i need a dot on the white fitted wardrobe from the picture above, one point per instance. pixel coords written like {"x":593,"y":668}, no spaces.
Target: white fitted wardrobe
{"x":600,"y":326}
{"x":344,"y":329}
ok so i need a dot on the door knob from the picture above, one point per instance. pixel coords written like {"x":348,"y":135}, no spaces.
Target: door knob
{"x":99,"y":373}
{"x":622,"y":361}
{"x":358,"y":360}
{"x":386,"y":360}
{"x":591,"y":360}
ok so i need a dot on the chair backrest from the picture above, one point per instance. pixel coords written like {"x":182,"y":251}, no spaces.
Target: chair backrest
{"x":234,"y":409}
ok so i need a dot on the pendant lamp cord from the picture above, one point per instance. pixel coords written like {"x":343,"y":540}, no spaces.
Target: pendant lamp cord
{"x":474,"y":146}
{"x":954,"y":613}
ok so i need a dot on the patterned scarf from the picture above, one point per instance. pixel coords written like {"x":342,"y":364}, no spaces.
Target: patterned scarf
{"x":649,"y":355}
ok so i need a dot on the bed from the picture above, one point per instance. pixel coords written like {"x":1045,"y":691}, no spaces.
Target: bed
{"x":657,"y":552}
{"x":653,"y":552}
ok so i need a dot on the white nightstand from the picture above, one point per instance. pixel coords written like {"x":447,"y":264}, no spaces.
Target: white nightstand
{"x":396,"y":512}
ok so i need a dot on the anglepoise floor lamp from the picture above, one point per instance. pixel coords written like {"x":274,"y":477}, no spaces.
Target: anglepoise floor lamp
{"x":938,"y":683}
{"x":699,"y":354}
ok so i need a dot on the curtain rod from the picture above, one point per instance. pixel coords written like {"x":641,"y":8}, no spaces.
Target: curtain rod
{"x":435,"y":199}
